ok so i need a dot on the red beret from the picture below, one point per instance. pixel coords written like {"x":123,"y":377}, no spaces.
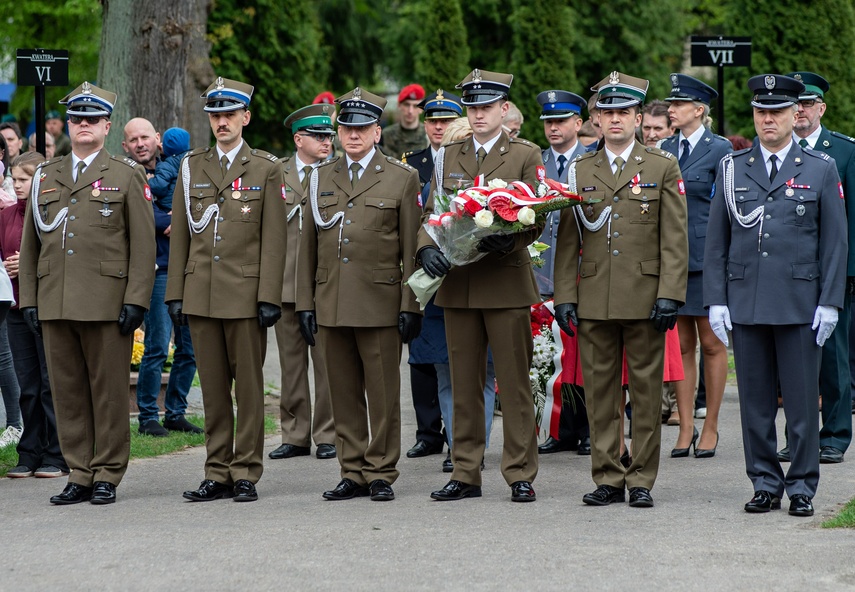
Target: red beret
{"x":411,"y":92}
{"x":325,"y":97}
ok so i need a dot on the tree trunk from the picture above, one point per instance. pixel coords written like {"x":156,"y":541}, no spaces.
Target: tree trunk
{"x":154,"y":55}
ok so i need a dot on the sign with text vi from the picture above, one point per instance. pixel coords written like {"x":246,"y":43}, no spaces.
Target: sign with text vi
{"x":42,"y":67}
{"x":721,"y":51}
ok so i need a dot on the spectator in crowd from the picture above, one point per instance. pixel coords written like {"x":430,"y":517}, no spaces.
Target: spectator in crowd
{"x":655,"y":123}
{"x":14,"y":140}
{"x":408,"y":134}
{"x":50,"y":145}
{"x":513,"y":121}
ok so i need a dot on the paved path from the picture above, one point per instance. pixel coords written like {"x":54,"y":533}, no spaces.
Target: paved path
{"x":696,"y":538}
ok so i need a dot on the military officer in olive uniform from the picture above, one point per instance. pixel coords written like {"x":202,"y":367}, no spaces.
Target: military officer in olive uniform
{"x":356,"y":250}
{"x":561,"y":113}
{"x":632,"y":280}
{"x":775,"y":274}
{"x":834,"y":371}
{"x":488,"y":302}
{"x":226,"y":265}
{"x":313,"y":136}
{"x":87,"y":261}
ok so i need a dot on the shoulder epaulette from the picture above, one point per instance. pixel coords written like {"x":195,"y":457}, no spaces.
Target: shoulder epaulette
{"x":406,"y":154}
{"x":743,"y":151}
{"x":659,"y":152}
{"x":328,"y":162}
{"x":200,"y":150}
{"x":285,"y":159}
{"x":124,"y":160}
{"x":399,"y":163}
{"x":817,"y":154}
{"x":524,"y":141}
{"x":263,"y":154}
{"x":585,"y":155}
{"x":843,"y":137}
{"x":51,"y":161}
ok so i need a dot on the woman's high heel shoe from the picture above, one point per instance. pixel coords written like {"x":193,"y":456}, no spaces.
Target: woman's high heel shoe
{"x":707,"y":452}
{"x":684,"y":452}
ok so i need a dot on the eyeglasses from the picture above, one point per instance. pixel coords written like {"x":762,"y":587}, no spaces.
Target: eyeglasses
{"x":808,"y":103}
{"x":319,"y":137}
{"x":77,"y":119}
{"x":510,"y":131}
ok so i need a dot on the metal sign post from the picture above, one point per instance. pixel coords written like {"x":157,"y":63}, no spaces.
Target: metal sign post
{"x":41,"y":68}
{"x":721,"y":52}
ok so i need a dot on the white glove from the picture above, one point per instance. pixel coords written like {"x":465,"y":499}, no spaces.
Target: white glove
{"x":825,"y":318}
{"x":720,"y":322}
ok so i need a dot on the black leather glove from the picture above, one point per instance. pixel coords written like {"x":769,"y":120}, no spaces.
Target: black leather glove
{"x":664,"y":314}
{"x":434,"y":262}
{"x":130,"y":318}
{"x":566,"y":314}
{"x":31,"y":317}
{"x":496,"y":243}
{"x":268,"y":314}
{"x":175,"y":309}
{"x":308,"y":325}
{"x":409,"y":326}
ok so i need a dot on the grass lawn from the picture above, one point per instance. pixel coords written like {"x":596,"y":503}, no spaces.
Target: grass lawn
{"x":845,"y":519}
{"x":147,"y":446}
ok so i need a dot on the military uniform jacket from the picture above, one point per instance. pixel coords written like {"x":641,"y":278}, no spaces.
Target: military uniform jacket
{"x":238,"y":259}
{"x":396,"y":141}
{"x":422,"y":161}
{"x":842,"y":149}
{"x":352,"y":273}
{"x":642,"y":256}
{"x":699,"y":175}
{"x":799,"y":261}
{"x":495,"y":281}
{"x":103,"y":255}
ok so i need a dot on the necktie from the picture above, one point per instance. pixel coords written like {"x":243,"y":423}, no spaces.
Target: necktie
{"x":773,"y":170}
{"x":562,"y":162}
{"x":80,"y":166}
{"x":480,"y":156}
{"x":307,"y":172}
{"x":224,"y":165}
{"x":354,"y":174}
{"x":618,"y":167}
{"x":687,"y":149}
{"x":803,"y":143}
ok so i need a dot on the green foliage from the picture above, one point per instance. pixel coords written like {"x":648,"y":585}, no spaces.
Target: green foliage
{"x":74,"y":25}
{"x":845,"y":519}
{"x":489,"y":34}
{"x":351,"y":37}
{"x":539,"y":66}
{"x":779,"y":47}
{"x":277,"y":47}
{"x":442,"y":55}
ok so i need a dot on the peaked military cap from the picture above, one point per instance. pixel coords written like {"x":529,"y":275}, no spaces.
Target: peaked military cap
{"x":618,"y":90}
{"x":559,"y":104}
{"x":774,"y":91}
{"x":815,"y":85}
{"x":227,"y":95}
{"x":441,"y":105}
{"x":686,"y":88}
{"x":360,"y":107}
{"x":87,"y":100}
{"x":481,"y":87}
{"x":314,"y":119}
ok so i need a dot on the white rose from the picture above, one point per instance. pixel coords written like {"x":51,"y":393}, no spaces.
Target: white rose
{"x":496,"y":184}
{"x":526,"y":216}
{"x":484,"y":219}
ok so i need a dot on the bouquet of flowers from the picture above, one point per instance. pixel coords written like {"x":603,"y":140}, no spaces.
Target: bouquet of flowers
{"x":461,"y":220}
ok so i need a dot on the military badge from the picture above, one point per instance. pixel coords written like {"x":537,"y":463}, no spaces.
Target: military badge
{"x":245,"y":210}
{"x":614,"y":77}
{"x":800,"y":210}
{"x":645,"y":208}
{"x":357,"y":93}
{"x":146,"y":192}
{"x":105,"y":211}
{"x":681,"y":187}
{"x":769,"y":81}
{"x":840,"y":188}
{"x":284,"y":190}
{"x":673,"y":80}
{"x":550,"y":96}
{"x":476,"y":75}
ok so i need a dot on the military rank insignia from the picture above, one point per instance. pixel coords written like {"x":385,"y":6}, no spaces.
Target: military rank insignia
{"x":146,"y":192}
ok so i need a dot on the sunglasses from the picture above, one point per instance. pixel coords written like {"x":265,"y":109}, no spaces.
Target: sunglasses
{"x":319,"y":137}
{"x":77,"y":119}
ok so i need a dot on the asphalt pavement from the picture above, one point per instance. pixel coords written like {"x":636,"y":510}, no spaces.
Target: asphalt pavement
{"x":697,"y":537}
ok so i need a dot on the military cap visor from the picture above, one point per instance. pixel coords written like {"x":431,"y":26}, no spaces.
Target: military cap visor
{"x":314,"y":119}
{"x":773,"y":91}
{"x":227,"y":95}
{"x":359,"y":107}
{"x":815,"y":85}
{"x":618,"y":91}
{"x":441,"y":105}
{"x":686,"y":88}
{"x":87,"y":100}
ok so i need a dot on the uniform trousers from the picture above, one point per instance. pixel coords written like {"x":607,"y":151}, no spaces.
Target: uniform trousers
{"x":835,"y":380}
{"x":763,"y":354}
{"x":468,"y":332}
{"x":89,"y":364}
{"x":601,"y":345}
{"x":227,"y":351}
{"x":365,"y":389}
{"x":299,"y":425}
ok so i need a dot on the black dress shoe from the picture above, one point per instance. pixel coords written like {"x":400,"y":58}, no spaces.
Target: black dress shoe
{"x":830,"y":455}
{"x":584,"y":447}
{"x":103,"y":493}
{"x":182,"y":425}
{"x":784,"y":454}
{"x":208,"y":491}
{"x":639,"y":497}
{"x":245,"y":491}
{"x":456,"y":490}
{"x":381,"y":491}
{"x":346,"y":490}
{"x":522,"y":491}
{"x":153,"y":428}
{"x":72,"y":494}
{"x":552,"y":445}
{"x":800,"y":505}
{"x":604,"y":495}
{"x":289,"y":451}
{"x":763,"y":501}
{"x":422,"y":448}
{"x":447,"y":465}
{"x":325,"y":451}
